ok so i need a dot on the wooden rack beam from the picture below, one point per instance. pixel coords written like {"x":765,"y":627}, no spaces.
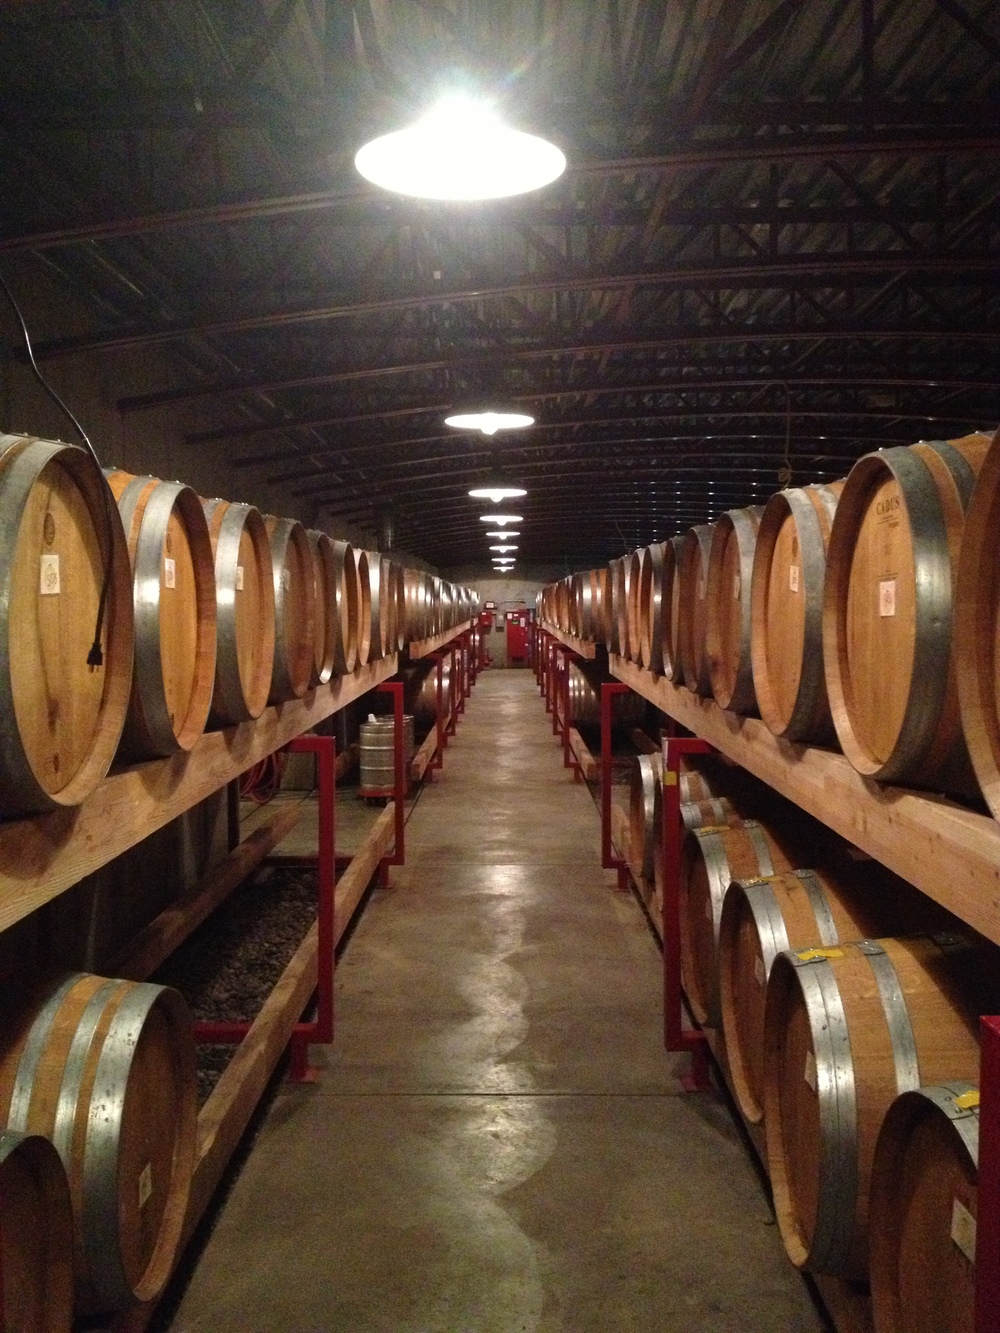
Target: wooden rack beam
{"x":581,"y":646}
{"x":424,"y":647}
{"x":42,"y":856}
{"x":947,"y":851}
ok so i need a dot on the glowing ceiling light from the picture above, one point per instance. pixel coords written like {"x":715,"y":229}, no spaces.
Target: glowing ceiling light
{"x":501,"y":518}
{"x":504,"y":548}
{"x":489,"y":422}
{"x":497,"y":493}
{"x":460,"y":150}
{"x":504,"y":533}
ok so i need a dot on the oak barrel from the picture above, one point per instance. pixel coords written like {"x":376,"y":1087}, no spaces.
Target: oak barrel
{"x":244,"y":594}
{"x":346,"y":614}
{"x":727,"y":624}
{"x":325,"y":626}
{"x":106,"y":1070}
{"x":847,"y":1029}
{"x":887,"y":613}
{"x":761,"y":918}
{"x":672,"y":668}
{"x":692,"y":609}
{"x":711,"y":858}
{"x":786,"y":612}
{"x":584,"y":689}
{"x":645,"y":809}
{"x":371,"y":571}
{"x":633,"y":610}
{"x":364,"y":601}
{"x":651,"y":608}
{"x":36,"y":1237}
{"x":174,"y":602}
{"x":977,"y":629}
{"x":623,"y":577}
{"x":924,"y":1195}
{"x":294,"y":608}
{"x":60,"y":537}
{"x":713,"y":810}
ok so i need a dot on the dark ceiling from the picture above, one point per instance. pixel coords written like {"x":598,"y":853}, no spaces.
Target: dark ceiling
{"x":775,"y":248}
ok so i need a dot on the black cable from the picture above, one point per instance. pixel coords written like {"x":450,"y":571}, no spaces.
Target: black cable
{"x":95,"y":657}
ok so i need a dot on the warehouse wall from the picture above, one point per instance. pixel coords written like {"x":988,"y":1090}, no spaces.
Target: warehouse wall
{"x":146,"y":442}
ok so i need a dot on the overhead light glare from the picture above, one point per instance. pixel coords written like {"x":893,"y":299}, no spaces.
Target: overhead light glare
{"x":498,"y":493}
{"x":504,"y":533}
{"x":460,"y":150}
{"x":501,"y":518}
{"x":504,"y":548}
{"x":489,"y":423}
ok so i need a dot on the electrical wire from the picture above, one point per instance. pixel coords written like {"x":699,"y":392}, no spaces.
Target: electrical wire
{"x":95,"y":656}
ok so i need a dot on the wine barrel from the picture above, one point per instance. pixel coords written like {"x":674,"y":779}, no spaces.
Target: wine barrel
{"x":727,"y":622}
{"x":670,"y":606}
{"x":695,"y":786}
{"x":372,"y":572}
{"x":716,"y":810}
{"x":324,"y":613}
{"x":845,"y":1030}
{"x":244,"y":593}
{"x":692,"y":609}
{"x":645,"y":810}
{"x":397,"y":576}
{"x":633,"y":611}
{"x":977,"y":629}
{"x":106,"y":1070}
{"x":389,"y":610}
{"x":627,"y":710}
{"x":887,"y":612}
{"x":60,"y":539}
{"x":345,"y":608}
{"x":36,"y":1237}
{"x":623,"y":576}
{"x":711,"y":858}
{"x":173,"y":584}
{"x":925,"y":1195}
{"x":760,"y":919}
{"x":786,"y":612}
{"x":359,"y":562}
{"x":650,"y":599}
{"x":294,"y":584}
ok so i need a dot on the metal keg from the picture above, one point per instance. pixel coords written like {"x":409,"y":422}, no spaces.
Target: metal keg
{"x":378,"y":766}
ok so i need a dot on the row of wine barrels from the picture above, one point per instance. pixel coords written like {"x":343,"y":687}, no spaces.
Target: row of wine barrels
{"x":36,"y":1237}
{"x":627,"y":710}
{"x":62,"y":552}
{"x":847,"y":1029}
{"x":698,"y":807}
{"x":924,"y":1194}
{"x":105,"y":1070}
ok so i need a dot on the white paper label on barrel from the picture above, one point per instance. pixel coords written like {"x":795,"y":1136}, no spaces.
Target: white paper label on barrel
{"x":758,"y":971}
{"x":49,"y":576}
{"x":963,"y":1229}
{"x":169,"y":572}
{"x":793,"y":578}
{"x":239,"y":578}
{"x":810,"y":1070}
{"x":736,"y":587}
{"x":887,"y":597}
{"x":145,"y":1184}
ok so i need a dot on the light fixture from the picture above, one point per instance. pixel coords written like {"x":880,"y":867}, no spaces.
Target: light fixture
{"x":504,"y":533}
{"x":504,"y":548}
{"x":498,"y":493}
{"x":460,"y":150}
{"x":501,"y":518}
{"x":489,"y":423}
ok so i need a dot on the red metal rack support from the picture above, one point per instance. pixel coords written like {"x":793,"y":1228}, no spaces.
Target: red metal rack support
{"x":437,"y":760}
{"x":988,"y":1207}
{"x":452,"y":726}
{"x":320,"y":1030}
{"x":676,"y":1037}
{"x":398,"y":857}
{"x":609,"y":861}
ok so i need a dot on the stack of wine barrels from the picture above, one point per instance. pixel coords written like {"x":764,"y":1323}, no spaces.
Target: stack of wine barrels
{"x":105,"y":1070}
{"x":584,"y":690}
{"x":699,"y":804}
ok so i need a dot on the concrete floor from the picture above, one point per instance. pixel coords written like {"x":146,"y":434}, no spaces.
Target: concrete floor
{"x":498,"y":1143}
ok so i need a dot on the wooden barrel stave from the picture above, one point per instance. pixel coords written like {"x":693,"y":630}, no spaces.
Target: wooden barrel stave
{"x":106,"y":1070}
{"x":60,"y":722}
{"x":925,"y":1196}
{"x":244,"y":582}
{"x":294,"y":608}
{"x":645,"y":795}
{"x":633,"y":609}
{"x":324,"y":620}
{"x":692,"y":609}
{"x":174,"y":603}
{"x":789,"y":575}
{"x":865,"y":1021}
{"x":650,"y":598}
{"x":727,"y":619}
{"x":36,"y":1237}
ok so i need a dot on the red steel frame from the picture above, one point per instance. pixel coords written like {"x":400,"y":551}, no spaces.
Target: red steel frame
{"x":609,"y":689}
{"x":398,"y":857}
{"x":320,"y":1030}
{"x":988,"y":1206}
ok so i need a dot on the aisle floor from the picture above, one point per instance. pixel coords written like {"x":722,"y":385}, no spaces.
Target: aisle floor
{"x":498,"y":1142}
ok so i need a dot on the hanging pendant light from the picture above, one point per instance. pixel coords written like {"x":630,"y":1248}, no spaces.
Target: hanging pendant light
{"x":501,"y":518}
{"x":460,"y":150}
{"x":489,"y":422}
